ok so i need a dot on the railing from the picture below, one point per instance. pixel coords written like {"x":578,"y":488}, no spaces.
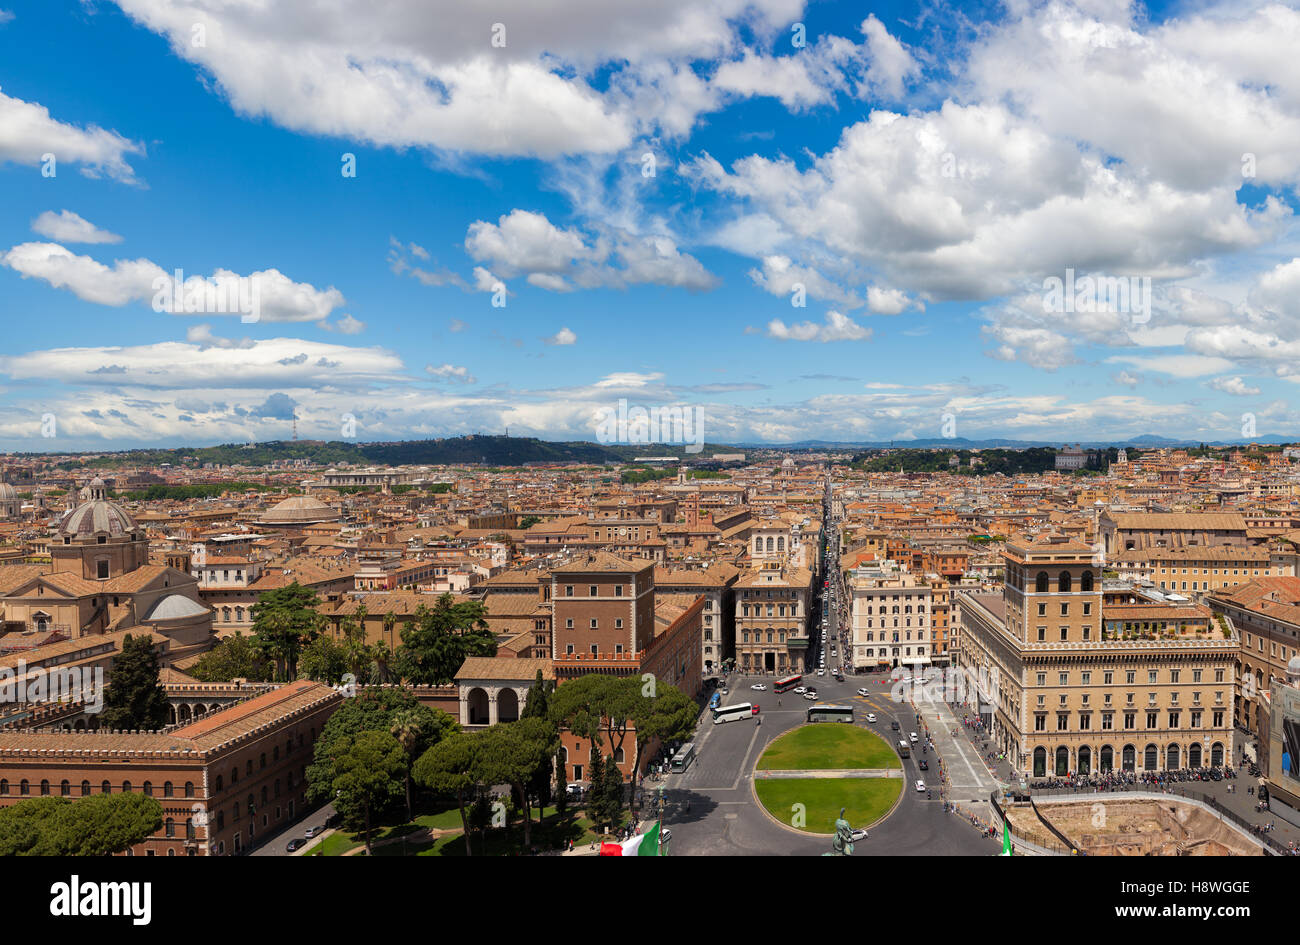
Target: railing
{"x":1069,"y":844}
{"x":1051,"y":848}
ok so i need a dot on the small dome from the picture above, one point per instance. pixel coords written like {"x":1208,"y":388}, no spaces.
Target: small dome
{"x":1293,"y":667}
{"x":175,"y":607}
{"x":300,"y":510}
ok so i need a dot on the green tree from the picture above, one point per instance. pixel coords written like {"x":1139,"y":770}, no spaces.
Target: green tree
{"x":539,"y":699}
{"x":664,"y":715}
{"x":136,"y":700}
{"x":611,"y":800}
{"x":323,"y":660}
{"x":437,"y":640}
{"x":235,"y":657}
{"x":368,"y":773}
{"x":406,"y":729}
{"x":99,"y":825}
{"x":512,"y":753}
{"x":452,"y":767}
{"x":284,"y":621}
{"x":370,"y":710}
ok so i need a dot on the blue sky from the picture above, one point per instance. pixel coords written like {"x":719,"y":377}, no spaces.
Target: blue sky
{"x":918,"y":172}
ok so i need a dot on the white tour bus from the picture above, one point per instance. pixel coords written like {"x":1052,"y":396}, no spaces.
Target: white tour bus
{"x":729,"y":713}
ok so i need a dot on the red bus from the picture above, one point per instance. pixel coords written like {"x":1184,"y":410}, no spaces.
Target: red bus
{"x":786,"y":684}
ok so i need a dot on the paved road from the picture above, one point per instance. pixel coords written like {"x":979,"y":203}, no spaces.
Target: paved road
{"x":274,"y":844}
{"x":724,"y":819}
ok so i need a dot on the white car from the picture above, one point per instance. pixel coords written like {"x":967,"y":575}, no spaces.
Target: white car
{"x":810,"y":696}
{"x":912,"y":737}
{"x":801,"y":689}
{"x":871,"y":716}
{"x":821,"y":671}
{"x":758,"y":687}
{"x":865,"y":692}
{"x":920,"y":786}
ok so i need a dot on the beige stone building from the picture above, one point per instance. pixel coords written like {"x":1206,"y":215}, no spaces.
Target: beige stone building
{"x":1075,"y":691}
{"x":890,"y":616}
{"x":772,"y":604}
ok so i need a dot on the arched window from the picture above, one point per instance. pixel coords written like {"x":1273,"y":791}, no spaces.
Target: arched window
{"x":148,"y":789}
{"x":65,"y":789}
{"x":1173,"y":754}
{"x":189,"y":787}
{"x":1063,"y":582}
{"x":1151,"y":758}
{"x":4,"y":785}
{"x":45,"y":788}
{"x":167,"y":789}
{"x":106,"y":788}
{"x":85,"y":788}
{"x":1040,"y":582}
{"x":1216,"y":754}
{"x":1129,"y":757}
{"x":1107,"y":759}
{"x":169,"y":827}
{"x":189,"y":828}
{"x":24,"y":788}
{"x":1040,"y":762}
{"x":126,"y":787}
{"x":1062,"y":761}
{"x":1085,"y":582}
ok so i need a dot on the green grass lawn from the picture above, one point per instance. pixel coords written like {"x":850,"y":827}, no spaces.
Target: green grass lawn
{"x":865,"y":800}
{"x":828,"y":745}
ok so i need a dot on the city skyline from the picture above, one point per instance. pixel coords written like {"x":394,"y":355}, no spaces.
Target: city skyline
{"x":649,"y":196}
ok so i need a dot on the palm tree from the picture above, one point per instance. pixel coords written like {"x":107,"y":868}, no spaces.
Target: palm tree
{"x":407,"y":730}
{"x":381,"y":664}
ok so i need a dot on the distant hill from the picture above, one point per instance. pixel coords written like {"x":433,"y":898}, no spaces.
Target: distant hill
{"x":451,"y":451}
{"x":509,"y":451}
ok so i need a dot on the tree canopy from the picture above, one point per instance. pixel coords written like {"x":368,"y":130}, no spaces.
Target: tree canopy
{"x":99,"y":825}
{"x":136,"y":700}
{"x":436,"y":640}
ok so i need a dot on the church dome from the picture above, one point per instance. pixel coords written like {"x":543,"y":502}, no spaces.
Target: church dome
{"x":96,"y":517}
{"x":299,"y":510}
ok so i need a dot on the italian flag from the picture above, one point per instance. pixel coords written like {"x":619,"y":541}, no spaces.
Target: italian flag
{"x":643,"y":844}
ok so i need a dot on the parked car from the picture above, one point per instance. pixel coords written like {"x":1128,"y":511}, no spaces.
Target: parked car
{"x":297,"y":843}
{"x":821,"y":671}
{"x":314,"y":831}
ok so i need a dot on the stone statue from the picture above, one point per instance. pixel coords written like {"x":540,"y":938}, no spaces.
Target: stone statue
{"x":841,"y":845}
